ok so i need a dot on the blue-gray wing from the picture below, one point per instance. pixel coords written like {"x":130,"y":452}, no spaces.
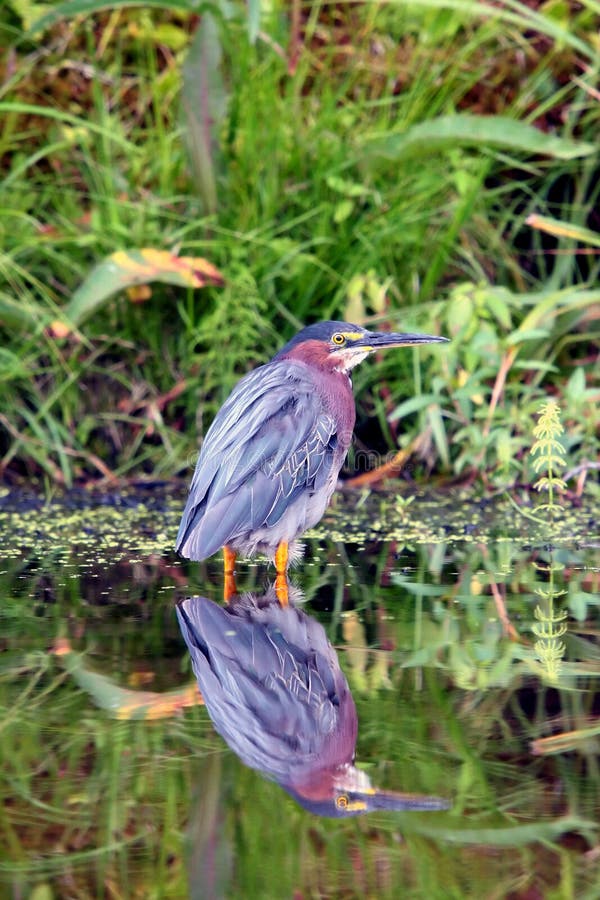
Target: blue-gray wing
{"x":271,"y":440}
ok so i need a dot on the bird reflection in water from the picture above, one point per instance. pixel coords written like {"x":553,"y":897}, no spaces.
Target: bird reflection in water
{"x":273,"y":687}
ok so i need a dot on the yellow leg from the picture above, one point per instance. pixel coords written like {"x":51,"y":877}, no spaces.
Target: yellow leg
{"x":229,"y":585}
{"x":281,"y":580}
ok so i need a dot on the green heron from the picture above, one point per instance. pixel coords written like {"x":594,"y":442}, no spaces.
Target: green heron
{"x":273,"y":687}
{"x":271,"y":458}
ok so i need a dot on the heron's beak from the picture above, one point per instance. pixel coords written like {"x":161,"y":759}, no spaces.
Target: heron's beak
{"x":356,"y":795}
{"x":391,"y":800}
{"x":379,"y":340}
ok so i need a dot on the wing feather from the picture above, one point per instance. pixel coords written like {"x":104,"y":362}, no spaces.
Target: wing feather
{"x":271,"y":440}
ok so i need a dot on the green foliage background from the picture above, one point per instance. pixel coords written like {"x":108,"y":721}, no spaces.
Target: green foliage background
{"x":373,"y":162}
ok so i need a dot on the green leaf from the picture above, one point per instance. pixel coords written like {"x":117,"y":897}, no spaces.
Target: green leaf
{"x":531,"y":334}
{"x":419,"y":590}
{"x":18,"y":315}
{"x":459,"y":312}
{"x":32,"y":109}
{"x":532,"y":365}
{"x":41,"y":892}
{"x":204,"y":100}
{"x":576,"y":385}
{"x":12,"y":368}
{"x":121,"y":702}
{"x":564,"y":229}
{"x":516,"y":13}
{"x":413,"y":404}
{"x":482,"y":132}
{"x":127,"y":268}
{"x":504,"y":835}
{"x":253,"y":19}
{"x":346,"y":187}
{"x":27,"y":10}
{"x":436,"y":421}
{"x":498,"y":305}
{"x":549,"y":305}
{"x":342,"y":211}
{"x":88,"y":7}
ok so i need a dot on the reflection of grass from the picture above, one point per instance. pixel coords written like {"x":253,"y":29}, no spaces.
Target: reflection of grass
{"x":94,"y":803}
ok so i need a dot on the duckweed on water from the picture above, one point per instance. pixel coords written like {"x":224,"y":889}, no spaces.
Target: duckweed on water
{"x":145,"y":522}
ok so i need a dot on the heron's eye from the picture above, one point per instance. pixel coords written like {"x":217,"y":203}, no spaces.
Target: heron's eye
{"x":338,"y":339}
{"x":341,"y":802}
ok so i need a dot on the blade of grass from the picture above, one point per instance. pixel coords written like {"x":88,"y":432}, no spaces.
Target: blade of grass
{"x":89,"y":7}
{"x":65,"y":118}
{"x":466,"y":129}
{"x":204,"y":100}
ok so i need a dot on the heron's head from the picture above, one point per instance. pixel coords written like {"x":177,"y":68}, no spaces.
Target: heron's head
{"x":339,"y":346}
{"x":347,"y":791}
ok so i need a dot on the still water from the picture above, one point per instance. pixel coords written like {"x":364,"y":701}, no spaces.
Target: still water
{"x":470,"y":649}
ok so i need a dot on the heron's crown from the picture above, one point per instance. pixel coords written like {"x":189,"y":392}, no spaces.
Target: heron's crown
{"x":321,"y":331}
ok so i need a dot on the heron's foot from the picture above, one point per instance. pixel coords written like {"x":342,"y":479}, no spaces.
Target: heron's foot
{"x":282,"y":590}
{"x":229,"y":585}
{"x":229,"y":588}
{"x":281,"y":567}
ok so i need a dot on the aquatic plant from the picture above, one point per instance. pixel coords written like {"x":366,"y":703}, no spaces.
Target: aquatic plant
{"x":549,"y":454}
{"x":550,"y":625}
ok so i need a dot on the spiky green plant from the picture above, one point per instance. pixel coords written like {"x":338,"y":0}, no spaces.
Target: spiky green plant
{"x":549,"y":453}
{"x":550,"y":626}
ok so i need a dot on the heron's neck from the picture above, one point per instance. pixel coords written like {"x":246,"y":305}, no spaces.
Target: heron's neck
{"x":332,"y":386}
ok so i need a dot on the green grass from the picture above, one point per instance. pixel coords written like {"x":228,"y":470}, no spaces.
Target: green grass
{"x":366,"y":162}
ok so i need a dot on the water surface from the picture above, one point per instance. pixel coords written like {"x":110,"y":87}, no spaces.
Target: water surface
{"x":470,"y":643}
